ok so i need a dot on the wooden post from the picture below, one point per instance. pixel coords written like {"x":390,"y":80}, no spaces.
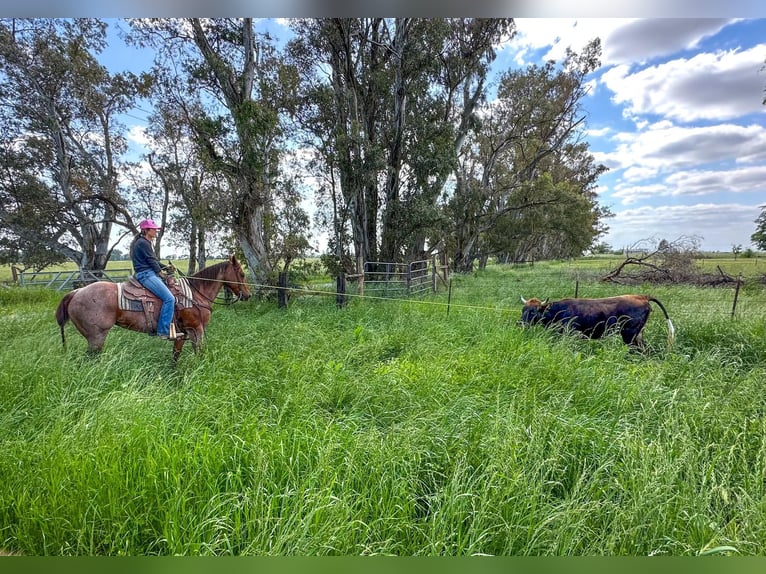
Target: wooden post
{"x":736,"y":294}
{"x":282,"y":290}
{"x":577,"y":287}
{"x":340,"y":297}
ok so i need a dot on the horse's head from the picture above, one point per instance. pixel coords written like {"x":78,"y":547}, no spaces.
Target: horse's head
{"x":234,"y":278}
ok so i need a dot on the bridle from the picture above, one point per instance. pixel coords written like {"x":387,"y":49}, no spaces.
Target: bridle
{"x":226,"y":299}
{"x":214,"y":300}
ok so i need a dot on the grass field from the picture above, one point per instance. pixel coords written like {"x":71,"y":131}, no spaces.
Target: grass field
{"x":390,"y":427}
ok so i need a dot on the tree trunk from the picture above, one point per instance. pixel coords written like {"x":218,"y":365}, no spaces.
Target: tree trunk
{"x":251,"y":239}
{"x":201,"y":249}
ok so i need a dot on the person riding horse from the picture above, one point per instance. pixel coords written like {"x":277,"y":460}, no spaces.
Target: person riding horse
{"x":147,"y":269}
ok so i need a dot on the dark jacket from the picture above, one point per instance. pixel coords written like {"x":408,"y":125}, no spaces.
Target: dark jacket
{"x":143,"y":256}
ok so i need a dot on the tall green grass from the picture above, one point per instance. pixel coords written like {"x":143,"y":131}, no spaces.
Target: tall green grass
{"x":387,"y":427}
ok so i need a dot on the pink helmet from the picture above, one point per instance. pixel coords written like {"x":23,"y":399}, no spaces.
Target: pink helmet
{"x":148,"y":224}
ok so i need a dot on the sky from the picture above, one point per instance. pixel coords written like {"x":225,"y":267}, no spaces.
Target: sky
{"x":675,"y":112}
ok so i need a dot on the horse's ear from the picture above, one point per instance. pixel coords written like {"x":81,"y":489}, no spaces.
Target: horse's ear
{"x":233,"y":259}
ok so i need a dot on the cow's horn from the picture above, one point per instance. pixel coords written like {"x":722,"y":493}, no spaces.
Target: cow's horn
{"x":523,"y":300}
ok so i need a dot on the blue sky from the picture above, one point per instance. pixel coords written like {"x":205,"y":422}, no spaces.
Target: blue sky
{"x":675,"y":112}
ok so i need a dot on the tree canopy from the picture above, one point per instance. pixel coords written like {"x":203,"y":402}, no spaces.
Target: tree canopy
{"x":402,"y":131}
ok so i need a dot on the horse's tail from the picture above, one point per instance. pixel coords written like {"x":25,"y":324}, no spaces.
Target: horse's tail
{"x":671,"y":329}
{"x":62,"y":314}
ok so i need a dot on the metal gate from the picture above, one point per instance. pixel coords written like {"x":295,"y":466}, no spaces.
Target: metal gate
{"x":386,"y":279}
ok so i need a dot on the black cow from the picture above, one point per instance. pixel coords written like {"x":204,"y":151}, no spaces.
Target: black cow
{"x":626,"y":314}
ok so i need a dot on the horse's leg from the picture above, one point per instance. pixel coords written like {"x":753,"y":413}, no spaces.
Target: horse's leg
{"x":177,"y":346}
{"x":195,"y":336}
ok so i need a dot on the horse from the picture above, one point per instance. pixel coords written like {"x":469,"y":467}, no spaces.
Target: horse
{"x":94,"y":309}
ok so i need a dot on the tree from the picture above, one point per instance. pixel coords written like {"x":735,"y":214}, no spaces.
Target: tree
{"x":188,"y":201}
{"x":759,"y":237}
{"x":526,"y":168}
{"x":388,"y":119}
{"x":62,"y":144}
{"x":237,"y":90}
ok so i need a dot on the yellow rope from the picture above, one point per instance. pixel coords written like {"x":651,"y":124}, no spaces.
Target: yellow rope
{"x":371,"y":297}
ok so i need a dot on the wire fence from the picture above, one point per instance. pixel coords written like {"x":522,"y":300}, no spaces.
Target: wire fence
{"x":427,"y":283}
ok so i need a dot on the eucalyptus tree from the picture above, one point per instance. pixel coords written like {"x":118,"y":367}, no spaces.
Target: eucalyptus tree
{"x":239,"y":92}
{"x":388,"y":103}
{"x":63,"y":142}
{"x":526,"y":168}
{"x":189,"y":195}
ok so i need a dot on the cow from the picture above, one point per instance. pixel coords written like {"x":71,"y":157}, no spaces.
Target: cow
{"x":626,"y":314}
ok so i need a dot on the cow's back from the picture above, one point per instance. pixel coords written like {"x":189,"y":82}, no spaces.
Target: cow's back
{"x":594,"y":317}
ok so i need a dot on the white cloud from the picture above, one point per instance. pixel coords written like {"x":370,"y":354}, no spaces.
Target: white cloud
{"x":597,"y":133}
{"x":137,"y":135}
{"x":708,"y":86}
{"x":558,"y":34}
{"x":696,"y":183}
{"x":623,"y":40}
{"x":644,"y":39}
{"x":664,"y":147}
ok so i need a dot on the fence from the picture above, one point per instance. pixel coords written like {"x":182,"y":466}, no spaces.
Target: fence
{"x":387,"y":279}
{"x":61,"y":280}
{"x":384,"y":279}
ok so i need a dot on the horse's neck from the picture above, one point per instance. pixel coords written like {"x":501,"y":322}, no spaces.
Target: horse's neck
{"x":209,"y":288}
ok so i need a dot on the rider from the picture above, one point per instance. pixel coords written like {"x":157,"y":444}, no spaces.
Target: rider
{"x":147,"y":268}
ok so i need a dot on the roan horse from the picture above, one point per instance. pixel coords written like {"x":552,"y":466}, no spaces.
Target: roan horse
{"x":94,"y":309}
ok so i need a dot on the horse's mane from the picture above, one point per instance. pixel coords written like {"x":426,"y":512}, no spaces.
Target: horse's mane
{"x":208,"y":273}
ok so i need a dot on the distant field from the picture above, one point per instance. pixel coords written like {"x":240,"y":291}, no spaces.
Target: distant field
{"x":182,"y":265}
{"x":749,"y":267}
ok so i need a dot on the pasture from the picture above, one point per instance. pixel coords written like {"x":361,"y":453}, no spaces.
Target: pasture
{"x":390,"y":427}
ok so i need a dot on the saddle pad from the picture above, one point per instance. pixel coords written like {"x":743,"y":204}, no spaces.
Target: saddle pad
{"x":183,"y":293}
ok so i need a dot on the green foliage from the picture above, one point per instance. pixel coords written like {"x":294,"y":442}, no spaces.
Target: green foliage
{"x":59,"y":192}
{"x":388,"y":427}
{"x":759,"y":237}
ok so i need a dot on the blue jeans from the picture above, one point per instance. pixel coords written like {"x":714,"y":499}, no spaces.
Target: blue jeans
{"x":156,"y":285}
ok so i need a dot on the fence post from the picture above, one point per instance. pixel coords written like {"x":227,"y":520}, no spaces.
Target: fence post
{"x":282,"y":290}
{"x":340,"y":297}
{"x":409,"y":279}
{"x":736,"y":294}
{"x":449,"y":296}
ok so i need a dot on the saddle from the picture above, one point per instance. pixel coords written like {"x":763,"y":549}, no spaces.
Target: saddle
{"x":132,"y":296}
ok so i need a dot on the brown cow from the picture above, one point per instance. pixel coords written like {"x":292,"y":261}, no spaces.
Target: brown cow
{"x":626,"y":314}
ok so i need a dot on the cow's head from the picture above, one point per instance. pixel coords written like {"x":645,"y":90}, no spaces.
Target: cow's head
{"x":532,"y":311}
